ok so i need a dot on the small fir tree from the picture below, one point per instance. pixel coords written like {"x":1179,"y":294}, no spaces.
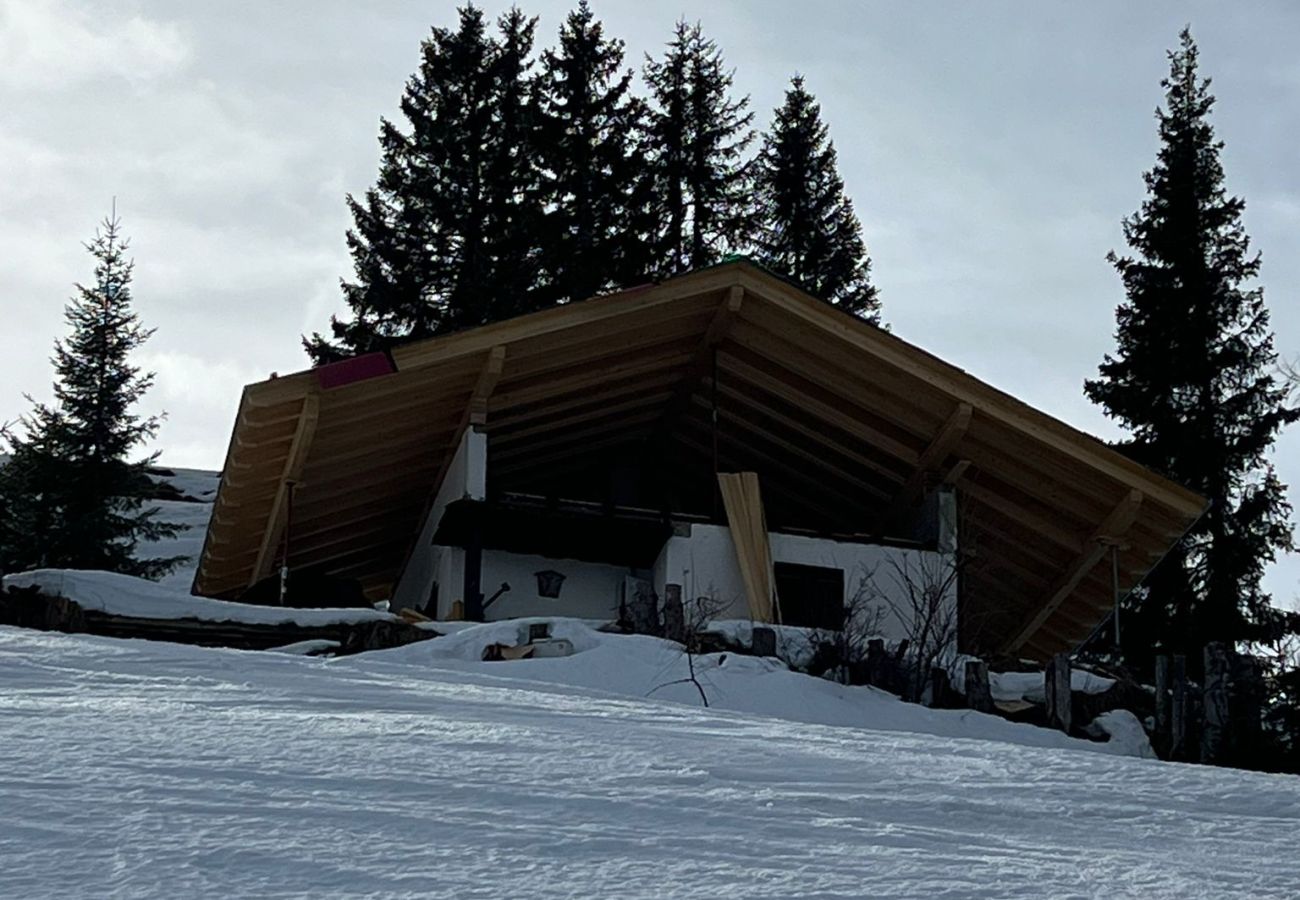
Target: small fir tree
{"x":73,"y":498}
{"x":807,"y":230}
{"x":697,"y":139}
{"x":597,"y":230}
{"x":1191,"y":381}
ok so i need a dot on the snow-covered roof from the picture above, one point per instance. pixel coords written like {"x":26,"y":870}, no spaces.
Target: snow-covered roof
{"x":844,"y":422}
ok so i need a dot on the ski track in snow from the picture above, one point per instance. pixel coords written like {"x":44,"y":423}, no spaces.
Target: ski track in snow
{"x":135,"y":769}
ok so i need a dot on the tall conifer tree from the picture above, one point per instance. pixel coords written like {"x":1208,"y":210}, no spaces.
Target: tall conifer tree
{"x":597,"y":232}
{"x":1192,"y":382}
{"x":807,"y":229}
{"x":514,"y":202}
{"x":440,"y":239}
{"x":72,"y":496}
{"x":698,"y":135}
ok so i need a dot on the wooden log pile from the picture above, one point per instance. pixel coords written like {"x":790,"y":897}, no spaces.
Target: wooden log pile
{"x":31,"y":608}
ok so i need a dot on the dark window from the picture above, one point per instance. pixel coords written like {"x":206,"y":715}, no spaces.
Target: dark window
{"x":810,"y":596}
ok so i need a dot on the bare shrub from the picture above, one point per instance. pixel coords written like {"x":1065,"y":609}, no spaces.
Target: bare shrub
{"x":843,"y":647}
{"x":699,"y":612}
{"x":922,"y":596}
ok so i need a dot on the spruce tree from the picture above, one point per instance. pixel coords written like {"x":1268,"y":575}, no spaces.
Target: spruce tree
{"x":597,"y":230}
{"x":697,"y":139}
{"x":1191,"y":381}
{"x":440,"y":242}
{"x":807,"y":230}
{"x":73,"y":498}
{"x":514,"y":199}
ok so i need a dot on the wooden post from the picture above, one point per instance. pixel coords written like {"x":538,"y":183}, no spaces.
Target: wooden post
{"x":1178,"y":709}
{"x":674,"y":615}
{"x":938,"y":688}
{"x":900,"y":677}
{"x":1162,"y":696}
{"x":876,"y":662}
{"x":1195,"y":722}
{"x":1246,"y":707}
{"x":1056,"y":685}
{"x":1215,"y":729}
{"x":979,"y":696}
{"x":1114,"y":585}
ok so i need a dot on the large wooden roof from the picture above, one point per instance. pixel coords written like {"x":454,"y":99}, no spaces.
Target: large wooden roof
{"x":842,"y":420}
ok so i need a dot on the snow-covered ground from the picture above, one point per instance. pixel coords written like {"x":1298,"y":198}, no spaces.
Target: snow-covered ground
{"x":134,"y":769}
{"x":637,"y":666}
{"x":137,"y":769}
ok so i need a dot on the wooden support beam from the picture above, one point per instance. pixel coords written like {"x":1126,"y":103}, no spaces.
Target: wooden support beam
{"x":586,"y":444}
{"x":1034,"y":522}
{"x":586,"y":379}
{"x":659,"y":386}
{"x":602,"y":348}
{"x":264,"y":443}
{"x":792,"y":497}
{"x":906,"y":409}
{"x":699,"y":366}
{"x":575,"y":439}
{"x":1112,"y":529}
{"x":944,"y":443}
{"x":487,"y":382}
{"x":748,"y":397}
{"x":749,"y":455}
{"x":957,"y":472}
{"x":602,"y":409}
{"x":293,"y":463}
{"x":817,"y":399}
{"x":816,"y":461}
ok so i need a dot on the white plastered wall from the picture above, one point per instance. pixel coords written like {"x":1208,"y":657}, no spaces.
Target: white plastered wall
{"x":466,"y":478}
{"x":704,"y":563}
{"x":589,"y":590}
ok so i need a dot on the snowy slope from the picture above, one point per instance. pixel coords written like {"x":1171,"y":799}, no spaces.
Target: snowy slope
{"x":194,"y":514}
{"x":138,"y":769}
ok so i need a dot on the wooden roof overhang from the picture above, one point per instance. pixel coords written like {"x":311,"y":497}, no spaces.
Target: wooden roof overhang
{"x":843,"y":421}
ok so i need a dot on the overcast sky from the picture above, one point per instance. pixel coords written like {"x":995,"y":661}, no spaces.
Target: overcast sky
{"x":991,"y":150}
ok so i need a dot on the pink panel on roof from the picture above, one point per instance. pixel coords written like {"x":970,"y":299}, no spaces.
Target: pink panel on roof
{"x":358,"y":368}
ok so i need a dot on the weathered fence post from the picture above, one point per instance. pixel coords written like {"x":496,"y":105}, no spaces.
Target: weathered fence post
{"x":979,"y":696}
{"x":1216,"y":702}
{"x":938,"y":688}
{"x":901,"y":677}
{"x":876,"y":662}
{"x":1195,"y":722}
{"x":1162,"y":697}
{"x":1056,"y":687}
{"x":674,"y":615}
{"x":1178,"y":708}
{"x":1245,"y":708}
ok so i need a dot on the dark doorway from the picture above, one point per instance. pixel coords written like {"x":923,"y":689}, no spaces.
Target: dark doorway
{"x":810,"y":596}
